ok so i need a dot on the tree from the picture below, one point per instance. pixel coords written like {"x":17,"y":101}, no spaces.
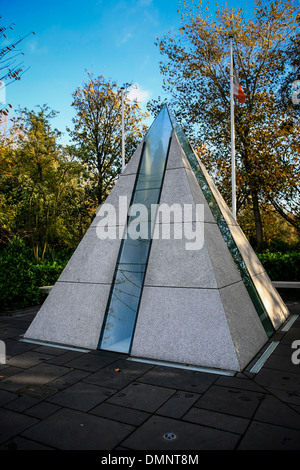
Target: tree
{"x":38,"y":178}
{"x":10,"y":67}
{"x":97,"y":131}
{"x":196,"y":71}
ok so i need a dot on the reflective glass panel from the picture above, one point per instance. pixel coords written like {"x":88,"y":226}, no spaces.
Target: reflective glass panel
{"x":120,"y":319}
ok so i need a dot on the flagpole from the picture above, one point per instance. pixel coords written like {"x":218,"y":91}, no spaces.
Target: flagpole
{"x":233,"y":182}
{"x":123,"y":133}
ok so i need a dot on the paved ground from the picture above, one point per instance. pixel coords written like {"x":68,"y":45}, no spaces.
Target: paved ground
{"x":54,"y":398}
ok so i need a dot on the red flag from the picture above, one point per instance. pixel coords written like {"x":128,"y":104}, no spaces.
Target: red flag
{"x":237,"y":89}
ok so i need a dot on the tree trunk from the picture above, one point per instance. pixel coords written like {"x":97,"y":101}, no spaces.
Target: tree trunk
{"x":257,"y":219}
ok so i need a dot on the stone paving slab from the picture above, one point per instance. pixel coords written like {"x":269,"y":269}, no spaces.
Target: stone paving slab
{"x":60,"y":399}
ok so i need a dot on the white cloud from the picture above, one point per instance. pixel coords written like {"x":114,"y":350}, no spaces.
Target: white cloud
{"x":137,"y":93}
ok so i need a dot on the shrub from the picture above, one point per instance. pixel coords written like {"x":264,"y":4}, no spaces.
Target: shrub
{"x":20,"y":277}
{"x":281,"y":266}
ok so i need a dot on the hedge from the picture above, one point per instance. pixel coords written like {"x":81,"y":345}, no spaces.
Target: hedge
{"x":281,"y":266}
{"x":21,"y":277}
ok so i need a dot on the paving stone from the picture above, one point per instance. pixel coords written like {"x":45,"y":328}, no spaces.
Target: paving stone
{"x":10,"y":332}
{"x":232,"y":401}
{"x":19,"y":443}
{"x":13,"y":423}
{"x":118,"y":374}
{"x":290,"y":397}
{"x":180,"y":379}
{"x":66,"y":356}
{"x":36,"y":375}
{"x":21,"y":403}
{"x":90,"y":362}
{"x":6,"y":372}
{"x":178,"y":404}
{"x":188,"y":436}
{"x":204,"y":411}
{"x":216,"y":420}
{"x":75,"y":430}
{"x":242,"y":383}
{"x":28,"y":359}
{"x":14,"y":347}
{"x":37,"y":391}
{"x":6,"y":397}
{"x":81,"y":396}
{"x":263,"y":436}
{"x":279,"y":362}
{"x":52,"y":350}
{"x":120,"y":413}
{"x":272,"y":410}
{"x":283,"y":349}
{"x":142,"y":397}
{"x":42,"y":373}
{"x":69,"y":379}
{"x":282,"y":380}
{"x":42,"y":410}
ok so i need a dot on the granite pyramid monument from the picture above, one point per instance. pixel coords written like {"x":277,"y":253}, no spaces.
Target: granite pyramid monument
{"x":198,"y":295}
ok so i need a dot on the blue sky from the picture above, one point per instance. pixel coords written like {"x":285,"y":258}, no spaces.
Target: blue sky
{"x":114,"y":38}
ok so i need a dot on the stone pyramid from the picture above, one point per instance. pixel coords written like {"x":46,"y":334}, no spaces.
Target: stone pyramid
{"x":196,"y":296}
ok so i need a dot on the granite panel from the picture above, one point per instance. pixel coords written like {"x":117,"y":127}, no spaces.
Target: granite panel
{"x":123,"y":189}
{"x":224,"y":267}
{"x":246,"y":329}
{"x":93,"y":261}
{"x":133,"y":164}
{"x":186,"y":326}
{"x":274,"y":305}
{"x":171,"y":264}
{"x":71,"y":315}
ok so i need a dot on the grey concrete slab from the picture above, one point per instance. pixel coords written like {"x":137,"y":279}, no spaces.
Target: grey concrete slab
{"x":188,"y":436}
{"x":216,"y":420}
{"x":69,"y":379}
{"x":74,"y":430}
{"x":13,"y":423}
{"x":278,"y":379}
{"x":28,"y":359}
{"x":141,"y":396}
{"x":118,"y":374}
{"x":274,"y":411}
{"x":121,"y":414}
{"x":247,"y":411}
{"x":71,"y":397}
{"x":179,"y":379}
{"x":91,"y":362}
{"x":178,"y":405}
{"x":20,"y":443}
{"x":232,"y":401}
{"x":262,"y":436}
{"x":38,"y":375}
{"x":6,"y":397}
{"x":42,"y":410}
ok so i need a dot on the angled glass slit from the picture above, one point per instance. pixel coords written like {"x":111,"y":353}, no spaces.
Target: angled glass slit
{"x":118,"y":327}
